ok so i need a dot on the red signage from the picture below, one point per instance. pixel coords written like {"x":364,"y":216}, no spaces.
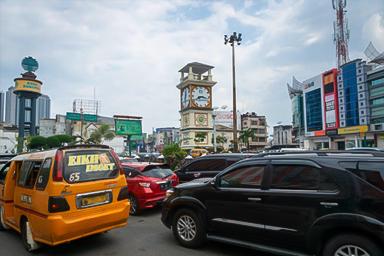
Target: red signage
{"x":331,"y":108}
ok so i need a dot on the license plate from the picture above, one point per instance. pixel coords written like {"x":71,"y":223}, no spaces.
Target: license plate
{"x":89,"y":200}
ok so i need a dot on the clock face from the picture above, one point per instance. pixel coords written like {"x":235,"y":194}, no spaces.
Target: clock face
{"x":200,"y":96}
{"x":185,"y":98}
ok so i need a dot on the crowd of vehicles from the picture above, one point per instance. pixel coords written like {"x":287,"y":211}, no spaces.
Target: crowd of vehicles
{"x":328,"y":203}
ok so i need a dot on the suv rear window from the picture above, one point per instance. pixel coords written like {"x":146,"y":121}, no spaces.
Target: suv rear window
{"x":371,"y":172}
{"x":89,"y":165}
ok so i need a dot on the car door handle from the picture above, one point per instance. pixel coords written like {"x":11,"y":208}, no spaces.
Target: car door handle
{"x":254,"y":199}
{"x":329,"y":204}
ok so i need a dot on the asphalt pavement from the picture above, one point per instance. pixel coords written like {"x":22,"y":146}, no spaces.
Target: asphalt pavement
{"x":144,"y":235}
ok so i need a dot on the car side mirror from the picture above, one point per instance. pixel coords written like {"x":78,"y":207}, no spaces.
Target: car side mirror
{"x":215,"y":182}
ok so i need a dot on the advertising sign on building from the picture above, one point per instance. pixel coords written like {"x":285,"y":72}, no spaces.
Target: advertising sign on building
{"x":27,"y":85}
{"x":330,"y":99}
{"x":225,"y":118}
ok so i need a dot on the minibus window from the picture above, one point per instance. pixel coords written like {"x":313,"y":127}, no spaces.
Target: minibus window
{"x":43,"y":177}
{"x":28,"y":173}
{"x":3,"y":172}
{"x":89,"y":165}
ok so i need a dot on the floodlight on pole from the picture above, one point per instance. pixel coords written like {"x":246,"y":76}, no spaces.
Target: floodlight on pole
{"x":232,"y":40}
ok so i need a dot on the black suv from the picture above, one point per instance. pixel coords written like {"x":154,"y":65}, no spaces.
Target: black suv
{"x":208,"y":166}
{"x":329,"y":204}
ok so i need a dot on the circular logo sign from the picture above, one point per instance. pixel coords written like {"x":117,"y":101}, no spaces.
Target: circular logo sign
{"x":29,"y":64}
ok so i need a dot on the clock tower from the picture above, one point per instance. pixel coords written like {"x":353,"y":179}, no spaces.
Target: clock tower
{"x":196,"y":105}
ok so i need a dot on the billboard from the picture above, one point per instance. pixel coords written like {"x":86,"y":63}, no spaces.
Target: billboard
{"x":128,"y":127}
{"x":225,"y":118}
{"x":331,"y":114}
{"x":27,"y":85}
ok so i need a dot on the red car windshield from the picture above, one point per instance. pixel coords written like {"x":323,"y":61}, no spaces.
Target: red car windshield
{"x":157,"y":173}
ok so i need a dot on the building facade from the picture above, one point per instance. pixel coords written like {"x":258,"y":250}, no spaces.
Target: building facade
{"x":43,"y":107}
{"x":297,"y":106}
{"x":2,"y":106}
{"x":165,"y":136}
{"x":196,"y":124}
{"x":251,"y":120}
{"x":375,"y":81}
{"x":282,"y":135}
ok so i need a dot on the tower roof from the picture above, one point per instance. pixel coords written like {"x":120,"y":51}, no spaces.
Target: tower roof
{"x":197,"y":68}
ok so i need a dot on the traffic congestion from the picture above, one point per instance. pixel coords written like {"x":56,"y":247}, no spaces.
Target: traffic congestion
{"x":284,"y":202}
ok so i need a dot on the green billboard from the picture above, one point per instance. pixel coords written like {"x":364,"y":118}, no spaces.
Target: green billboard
{"x":77,"y":117}
{"x":127,"y":127}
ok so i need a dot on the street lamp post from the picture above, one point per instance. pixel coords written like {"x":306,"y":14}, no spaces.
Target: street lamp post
{"x":232,"y":40}
{"x":214,"y":129}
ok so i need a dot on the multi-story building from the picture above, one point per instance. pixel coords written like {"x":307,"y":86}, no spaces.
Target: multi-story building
{"x":375,"y":81}
{"x":2,"y":106}
{"x":43,"y":107}
{"x":314,"y":122}
{"x":282,"y":135}
{"x":353,"y":99}
{"x":11,"y":107}
{"x":259,"y":125}
{"x":165,"y":136}
{"x":296,"y":94}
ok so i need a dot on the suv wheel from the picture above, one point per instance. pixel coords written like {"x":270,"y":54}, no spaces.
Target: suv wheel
{"x":134,"y":209}
{"x":188,"y":228}
{"x":351,"y":245}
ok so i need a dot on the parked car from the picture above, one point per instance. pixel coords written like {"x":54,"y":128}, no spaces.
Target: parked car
{"x":56,"y":196}
{"x":147,"y":184}
{"x":300,"y":203}
{"x":208,"y":166}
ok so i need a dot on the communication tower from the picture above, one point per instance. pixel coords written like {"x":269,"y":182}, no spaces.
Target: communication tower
{"x":341,"y":32}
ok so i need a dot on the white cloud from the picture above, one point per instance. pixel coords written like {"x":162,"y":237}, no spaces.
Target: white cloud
{"x":130,"y":51}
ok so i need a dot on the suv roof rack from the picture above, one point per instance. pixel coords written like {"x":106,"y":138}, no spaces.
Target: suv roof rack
{"x":325,"y":153}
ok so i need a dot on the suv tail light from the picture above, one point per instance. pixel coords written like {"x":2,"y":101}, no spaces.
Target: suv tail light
{"x":57,"y":204}
{"x":123,"y":194}
{"x":58,"y":169}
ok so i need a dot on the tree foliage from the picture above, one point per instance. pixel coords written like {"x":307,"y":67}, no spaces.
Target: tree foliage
{"x":55,"y":141}
{"x":173,"y":155}
{"x":200,"y":137}
{"x":245,"y":135}
{"x":103,"y":132}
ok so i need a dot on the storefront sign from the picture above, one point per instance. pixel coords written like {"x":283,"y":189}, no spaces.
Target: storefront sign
{"x":331,"y":132}
{"x":353,"y":129}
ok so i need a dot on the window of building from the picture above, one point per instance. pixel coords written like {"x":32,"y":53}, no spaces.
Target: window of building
{"x":362,"y":120}
{"x":360,"y":79}
{"x":328,"y":88}
{"x":377,"y":82}
{"x":253,"y":122}
{"x":248,"y":177}
{"x":313,"y":110}
{"x":361,"y":87}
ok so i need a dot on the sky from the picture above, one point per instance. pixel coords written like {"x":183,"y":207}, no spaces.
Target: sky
{"x":127,"y":53}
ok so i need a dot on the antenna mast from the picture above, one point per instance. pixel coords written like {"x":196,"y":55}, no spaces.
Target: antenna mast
{"x":341,"y":32}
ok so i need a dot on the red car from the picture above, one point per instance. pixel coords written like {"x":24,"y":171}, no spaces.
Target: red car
{"x":147,"y":184}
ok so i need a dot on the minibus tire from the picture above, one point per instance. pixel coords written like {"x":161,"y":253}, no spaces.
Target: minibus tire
{"x":26,"y":235}
{"x":3,"y":226}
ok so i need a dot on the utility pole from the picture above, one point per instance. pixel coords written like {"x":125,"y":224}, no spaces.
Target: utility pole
{"x":232,"y":40}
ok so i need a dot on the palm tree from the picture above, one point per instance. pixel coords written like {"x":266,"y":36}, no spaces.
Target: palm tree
{"x":245,"y":135}
{"x":221,"y":140}
{"x":103,"y":132}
